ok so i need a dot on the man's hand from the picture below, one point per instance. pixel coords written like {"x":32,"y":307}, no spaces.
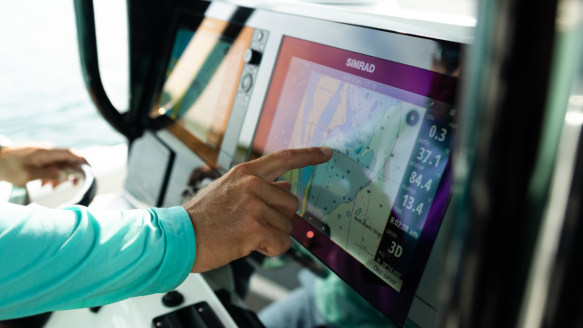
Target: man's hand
{"x":19,"y":165}
{"x":245,"y":210}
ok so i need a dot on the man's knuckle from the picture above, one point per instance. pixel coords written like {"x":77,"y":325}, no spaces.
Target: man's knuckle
{"x":252,"y":183}
{"x":255,"y":227}
{"x":255,"y":205}
{"x":286,"y":244}
{"x":295,"y":204}
{"x":241,"y":169}
{"x":249,"y":228}
{"x":282,"y":246}
{"x":286,"y":155}
{"x":291,"y":206}
{"x":289,"y":227}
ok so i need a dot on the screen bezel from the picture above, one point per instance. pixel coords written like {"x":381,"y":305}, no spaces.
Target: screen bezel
{"x":395,"y":305}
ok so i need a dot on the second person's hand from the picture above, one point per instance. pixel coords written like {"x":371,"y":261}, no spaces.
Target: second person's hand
{"x":245,"y":210}
{"x":21,"y":164}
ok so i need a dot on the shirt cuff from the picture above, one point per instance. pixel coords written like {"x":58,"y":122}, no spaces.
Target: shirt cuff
{"x":180,"y":246}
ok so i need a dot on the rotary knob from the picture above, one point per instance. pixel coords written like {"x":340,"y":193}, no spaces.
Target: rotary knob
{"x":172,"y":299}
{"x":252,"y":57}
{"x":247,"y":82}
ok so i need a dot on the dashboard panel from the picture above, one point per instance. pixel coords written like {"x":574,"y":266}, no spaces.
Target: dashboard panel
{"x":236,"y":91}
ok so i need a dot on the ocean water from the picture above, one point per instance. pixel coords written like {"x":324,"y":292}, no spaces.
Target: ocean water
{"x":42,"y":94}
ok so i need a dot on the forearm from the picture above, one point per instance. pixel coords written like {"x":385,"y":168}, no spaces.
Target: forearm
{"x":73,"y":258}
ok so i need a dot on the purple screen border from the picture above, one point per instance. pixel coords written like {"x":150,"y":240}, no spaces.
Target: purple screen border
{"x":417,"y":84}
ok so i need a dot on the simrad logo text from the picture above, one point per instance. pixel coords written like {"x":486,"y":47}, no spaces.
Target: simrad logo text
{"x":359,"y":64}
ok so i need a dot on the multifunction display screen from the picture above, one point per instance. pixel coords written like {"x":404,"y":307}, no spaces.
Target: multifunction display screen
{"x":201,"y":82}
{"x":373,"y":211}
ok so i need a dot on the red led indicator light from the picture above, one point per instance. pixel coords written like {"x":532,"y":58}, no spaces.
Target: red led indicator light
{"x":310,"y":234}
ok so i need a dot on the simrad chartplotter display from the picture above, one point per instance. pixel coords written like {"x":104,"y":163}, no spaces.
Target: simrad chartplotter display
{"x":373,"y":211}
{"x":201,"y":82}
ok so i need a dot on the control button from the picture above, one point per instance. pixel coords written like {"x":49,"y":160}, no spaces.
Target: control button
{"x":95,"y":309}
{"x":252,"y":56}
{"x":247,"y":82}
{"x":172,"y":299}
{"x":259,"y":36}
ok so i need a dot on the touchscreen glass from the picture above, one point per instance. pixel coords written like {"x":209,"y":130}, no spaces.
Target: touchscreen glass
{"x":372,"y":212}
{"x":201,"y":83}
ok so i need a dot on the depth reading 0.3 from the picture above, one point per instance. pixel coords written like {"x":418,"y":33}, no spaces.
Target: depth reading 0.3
{"x":432,"y":133}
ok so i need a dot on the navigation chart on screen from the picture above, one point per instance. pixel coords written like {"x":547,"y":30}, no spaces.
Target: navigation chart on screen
{"x":372,"y":136}
{"x":371,"y":199}
{"x":372,"y":212}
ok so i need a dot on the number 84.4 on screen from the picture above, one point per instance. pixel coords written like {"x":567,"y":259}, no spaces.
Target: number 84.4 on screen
{"x":418,"y":180}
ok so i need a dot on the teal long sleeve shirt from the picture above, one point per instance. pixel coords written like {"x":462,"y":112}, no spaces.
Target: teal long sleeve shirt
{"x":76,"y":257}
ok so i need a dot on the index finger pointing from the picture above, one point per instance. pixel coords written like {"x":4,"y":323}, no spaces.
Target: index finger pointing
{"x":272,"y":166}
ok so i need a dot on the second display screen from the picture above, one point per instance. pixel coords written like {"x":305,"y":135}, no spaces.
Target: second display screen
{"x":201,"y":82}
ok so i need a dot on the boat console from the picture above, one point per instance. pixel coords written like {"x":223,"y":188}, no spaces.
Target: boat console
{"x":452,"y":195}
{"x":216,"y":84}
